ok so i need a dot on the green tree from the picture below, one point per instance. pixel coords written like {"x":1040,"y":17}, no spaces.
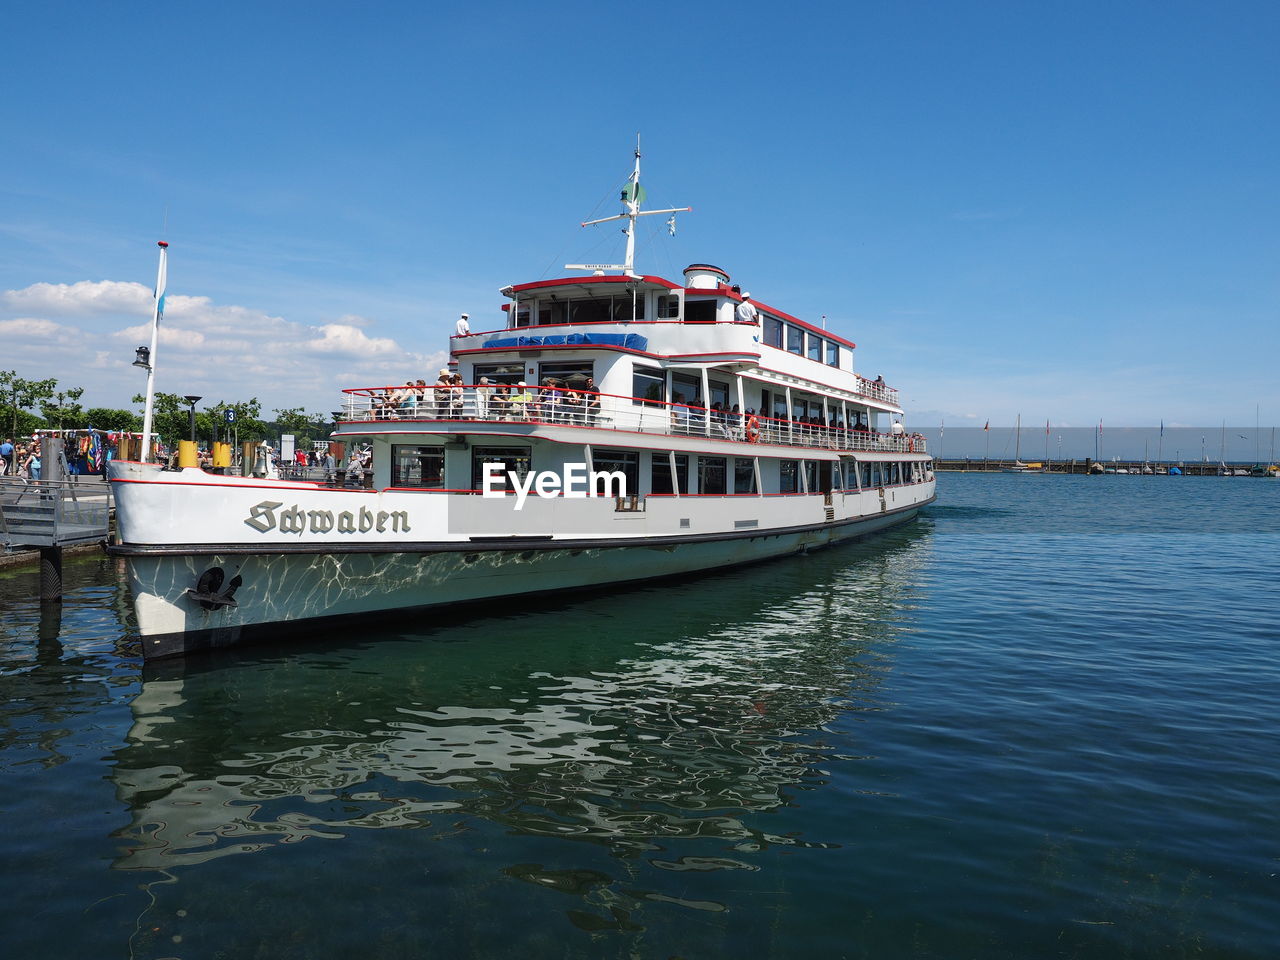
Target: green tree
{"x":63,"y":411}
{"x":105,"y":418}
{"x":18,"y":395}
{"x":169,"y":419}
{"x":304,"y":426}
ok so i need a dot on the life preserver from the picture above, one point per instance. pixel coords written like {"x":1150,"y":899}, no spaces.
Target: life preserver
{"x":753,"y":430}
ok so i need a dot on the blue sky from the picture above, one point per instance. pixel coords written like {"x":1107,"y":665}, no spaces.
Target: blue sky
{"x":1068,"y":211}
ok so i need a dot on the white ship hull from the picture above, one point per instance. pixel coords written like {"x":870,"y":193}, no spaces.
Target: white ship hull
{"x":293,"y":584}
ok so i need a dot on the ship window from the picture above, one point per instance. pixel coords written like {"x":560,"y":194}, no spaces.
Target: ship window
{"x":788,"y":476}
{"x":668,"y":306}
{"x":660,"y":473}
{"x":499,"y":372}
{"x":552,"y":311}
{"x":719,"y":392}
{"x":522,"y":315}
{"x":711,"y":475}
{"x":576,"y":371}
{"x":744,"y":475}
{"x":850,"y":475}
{"x":833,"y":354}
{"x":619,"y":309}
{"x":815,"y":348}
{"x":626,"y":462}
{"x":780,"y":406}
{"x":773,"y":331}
{"x":413,"y":466}
{"x":795,"y":340}
{"x":647,"y":385}
{"x":811,"y":475}
{"x":700,"y":311}
{"x":689,"y":387}
{"x":513,"y":459}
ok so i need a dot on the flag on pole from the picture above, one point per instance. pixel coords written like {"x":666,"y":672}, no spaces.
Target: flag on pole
{"x":162,"y":280}
{"x":1162,"y":428}
{"x":942,"y":428}
{"x":1046,"y":428}
{"x":987,"y":425}
{"x":1099,"y":426}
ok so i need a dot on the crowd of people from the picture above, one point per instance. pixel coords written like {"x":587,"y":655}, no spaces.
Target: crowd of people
{"x":20,"y":460}
{"x":555,"y":401}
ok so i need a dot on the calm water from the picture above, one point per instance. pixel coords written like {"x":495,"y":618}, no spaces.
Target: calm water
{"x":1043,"y":721}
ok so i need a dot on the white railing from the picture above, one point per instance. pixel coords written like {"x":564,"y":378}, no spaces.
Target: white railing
{"x":876,"y":390}
{"x":602,"y":411}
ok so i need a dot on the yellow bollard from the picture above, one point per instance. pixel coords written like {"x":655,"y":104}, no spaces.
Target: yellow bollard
{"x":221,"y":454}
{"x":187,"y":454}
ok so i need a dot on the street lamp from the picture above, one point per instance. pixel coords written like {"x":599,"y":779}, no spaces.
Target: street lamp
{"x":193,"y":401}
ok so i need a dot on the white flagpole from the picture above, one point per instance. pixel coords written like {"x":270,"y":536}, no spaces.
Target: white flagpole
{"x":161,"y":277}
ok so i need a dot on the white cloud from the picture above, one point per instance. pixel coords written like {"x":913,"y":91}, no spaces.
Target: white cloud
{"x":78,"y":299}
{"x":347,"y":339}
{"x":35,"y":329}
{"x":221,"y":351}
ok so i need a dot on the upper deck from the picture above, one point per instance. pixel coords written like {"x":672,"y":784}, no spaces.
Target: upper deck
{"x":693,"y":325}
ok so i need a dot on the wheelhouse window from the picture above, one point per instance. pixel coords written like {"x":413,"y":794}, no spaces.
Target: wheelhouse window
{"x":815,"y":347}
{"x":795,"y":340}
{"x":700,"y":311}
{"x":513,"y":460}
{"x":414,"y":466}
{"x":667,"y":306}
{"x":660,"y":473}
{"x":833,"y":353}
{"x":744,"y":475}
{"x":615,"y":309}
{"x":788,"y":476}
{"x":711,"y":475}
{"x":523,"y":317}
{"x":552,"y":311}
{"x":648,"y":385}
{"x":626,"y":462}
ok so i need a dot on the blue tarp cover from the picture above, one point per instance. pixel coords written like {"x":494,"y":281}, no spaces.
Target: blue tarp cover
{"x":628,"y":341}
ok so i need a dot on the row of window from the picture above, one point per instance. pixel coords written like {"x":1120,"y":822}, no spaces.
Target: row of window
{"x":803,"y":343}
{"x":423,"y":466}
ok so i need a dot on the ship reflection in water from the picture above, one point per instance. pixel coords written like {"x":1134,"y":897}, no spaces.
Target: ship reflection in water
{"x":666,"y":726}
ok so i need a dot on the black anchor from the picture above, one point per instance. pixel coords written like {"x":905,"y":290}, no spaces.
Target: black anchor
{"x":207,"y":592}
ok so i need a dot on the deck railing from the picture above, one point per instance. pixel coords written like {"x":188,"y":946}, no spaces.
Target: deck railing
{"x":603,"y":411}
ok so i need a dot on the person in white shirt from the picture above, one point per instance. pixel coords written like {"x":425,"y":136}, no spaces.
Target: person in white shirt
{"x":746,"y":312}
{"x":464,"y":324}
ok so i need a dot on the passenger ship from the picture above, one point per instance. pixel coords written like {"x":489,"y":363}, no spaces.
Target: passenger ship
{"x":679,"y":432}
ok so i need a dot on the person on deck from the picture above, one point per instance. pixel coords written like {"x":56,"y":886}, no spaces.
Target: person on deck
{"x":746,"y":312}
{"x":464,"y":325}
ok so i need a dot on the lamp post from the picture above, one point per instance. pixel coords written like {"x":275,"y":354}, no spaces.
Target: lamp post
{"x":193,"y":401}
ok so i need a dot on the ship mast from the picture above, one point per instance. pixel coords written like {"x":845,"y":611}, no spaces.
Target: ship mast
{"x":632,"y":197}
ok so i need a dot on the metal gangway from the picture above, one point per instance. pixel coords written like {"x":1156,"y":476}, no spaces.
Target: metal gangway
{"x":51,"y":514}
